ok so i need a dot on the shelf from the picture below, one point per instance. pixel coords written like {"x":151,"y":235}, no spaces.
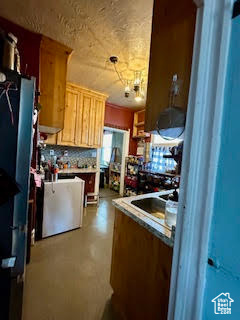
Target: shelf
{"x":141,"y":137}
{"x":139,"y":124}
{"x":131,"y":175}
{"x":115,"y":171}
{"x":170,"y":175}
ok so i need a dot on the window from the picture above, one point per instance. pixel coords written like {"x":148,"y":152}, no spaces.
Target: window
{"x":106,"y":148}
{"x":162,"y":147}
{"x":159,"y":163}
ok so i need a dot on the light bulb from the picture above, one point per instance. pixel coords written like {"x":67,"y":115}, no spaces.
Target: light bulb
{"x":137,"y":78}
{"x":138,"y":99}
{"x":127,"y":89}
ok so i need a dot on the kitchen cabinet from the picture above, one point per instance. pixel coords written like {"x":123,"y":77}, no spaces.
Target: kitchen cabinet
{"x":83,"y":119}
{"x":172,"y":39}
{"x":53,"y":71}
{"x":140,"y":271}
{"x":51,"y":139}
{"x":89,"y":179}
{"x":138,"y":125}
{"x":67,"y":135}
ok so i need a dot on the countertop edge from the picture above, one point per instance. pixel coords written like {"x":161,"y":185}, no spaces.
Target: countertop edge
{"x":168,"y":241}
{"x":76,"y":171}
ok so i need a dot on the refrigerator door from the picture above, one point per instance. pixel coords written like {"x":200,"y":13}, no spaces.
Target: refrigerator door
{"x":63,"y":206}
{"x":15,"y":150}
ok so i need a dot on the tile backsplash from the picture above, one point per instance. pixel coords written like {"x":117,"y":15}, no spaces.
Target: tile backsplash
{"x":76,"y":155}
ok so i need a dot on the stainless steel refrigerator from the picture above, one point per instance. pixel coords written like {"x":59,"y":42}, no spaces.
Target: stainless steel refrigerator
{"x":16,"y":110}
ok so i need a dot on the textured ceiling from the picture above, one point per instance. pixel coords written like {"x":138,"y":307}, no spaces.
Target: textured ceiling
{"x":95,"y":29}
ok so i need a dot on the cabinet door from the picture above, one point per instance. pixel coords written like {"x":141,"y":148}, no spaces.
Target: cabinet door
{"x":171,"y":53}
{"x":67,"y":135}
{"x":53,"y":69}
{"x":51,"y":139}
{"x":92,"y":123}
{"x":60,"y":75}
{"x":89,"y":179}
{"x":48,"y":116}
{"x":87,"y":102}
{"x":99,"y":122}
{"x":79,"y":120}
{"x":89,"y":117}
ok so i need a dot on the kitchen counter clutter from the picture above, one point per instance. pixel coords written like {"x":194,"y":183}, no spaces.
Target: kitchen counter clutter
{"x":154,"y":225}
{"x":141,"y":180}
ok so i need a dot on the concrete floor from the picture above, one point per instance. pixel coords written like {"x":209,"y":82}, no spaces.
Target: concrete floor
{"x":68,"y":277}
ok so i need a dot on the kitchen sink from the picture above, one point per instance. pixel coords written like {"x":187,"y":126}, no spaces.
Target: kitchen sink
{"x":165,"y":197}
{"x":152,"y":205}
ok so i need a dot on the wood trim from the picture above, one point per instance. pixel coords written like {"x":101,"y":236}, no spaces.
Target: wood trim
{"x":200,"y":159}
{"x":126,"y":139}
{"x":97,"y":94}
{"x":97,"y":177}
{"x":109,"y":125}
{"x":50,"y":44}
{"x":78,"y":136}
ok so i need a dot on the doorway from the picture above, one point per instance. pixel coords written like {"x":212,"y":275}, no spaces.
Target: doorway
{"x":112,"y":161}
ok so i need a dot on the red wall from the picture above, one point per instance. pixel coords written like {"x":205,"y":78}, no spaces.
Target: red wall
{"x":121,"y":118}
{"x":28,"y":46}
{"x":29,"y":50}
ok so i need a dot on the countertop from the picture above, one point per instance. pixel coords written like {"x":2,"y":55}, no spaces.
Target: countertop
{"x":78,"y":170}
{"x":62,"y":181}
{"x":159,"y":229}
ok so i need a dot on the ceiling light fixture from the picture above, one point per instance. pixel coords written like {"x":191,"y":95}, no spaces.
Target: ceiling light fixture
{"x":136,"y":85}
{"x":138,"y":97}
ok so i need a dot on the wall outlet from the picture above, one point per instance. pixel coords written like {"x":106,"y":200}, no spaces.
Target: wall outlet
{"x":51,"y":152}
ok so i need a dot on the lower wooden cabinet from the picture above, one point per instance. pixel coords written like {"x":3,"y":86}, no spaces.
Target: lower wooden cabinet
{"x":83,"y":119}
{"x":140,"y":271}
{"x":89,"y":179}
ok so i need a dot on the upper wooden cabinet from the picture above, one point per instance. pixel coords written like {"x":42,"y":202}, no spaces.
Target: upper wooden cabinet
{"x":68,"y":135}
{"x":138,"y":125}
{"x":53,"y":72}
{"x":84,"y":118}
{"x":171,"y":53}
